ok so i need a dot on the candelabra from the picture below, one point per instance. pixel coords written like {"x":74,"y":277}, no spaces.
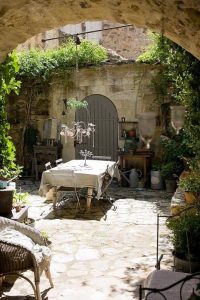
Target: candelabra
{"x":85,"y":154}
{"x":78,"y":131}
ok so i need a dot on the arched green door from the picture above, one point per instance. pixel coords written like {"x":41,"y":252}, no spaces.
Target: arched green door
{"x":102,"y":112}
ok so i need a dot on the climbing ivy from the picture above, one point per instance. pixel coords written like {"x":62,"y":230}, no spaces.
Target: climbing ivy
{"x":178,"y":82}
{"x":44,"y":63}
{"x":8,"y":84}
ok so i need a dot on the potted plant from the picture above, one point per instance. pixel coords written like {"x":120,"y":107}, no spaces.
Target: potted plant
{"x":191,"y":186}
{"x":20,"y":200}
{"x":6,"y":194}
{"x":170,"y":171}
{"x":185,"y":230}
{"x":7,"y":175}
{"x":45,"y":236}
{"x":156,"y":178}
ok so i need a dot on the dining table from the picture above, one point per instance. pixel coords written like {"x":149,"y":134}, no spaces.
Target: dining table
{"x":78,"y":174}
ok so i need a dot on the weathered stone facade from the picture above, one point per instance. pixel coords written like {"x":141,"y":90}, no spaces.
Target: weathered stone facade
{"x":21,"y":19}
{"x":127,"y":85}
{"x":128,"y":42}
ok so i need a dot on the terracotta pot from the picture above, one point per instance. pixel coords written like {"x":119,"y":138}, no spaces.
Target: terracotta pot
{"x":189,"y":198}
{"x":184,"y":174}
{"x":132,"y":133}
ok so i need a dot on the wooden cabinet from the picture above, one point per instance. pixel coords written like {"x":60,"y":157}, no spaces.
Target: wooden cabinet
{"x":43,"y":154}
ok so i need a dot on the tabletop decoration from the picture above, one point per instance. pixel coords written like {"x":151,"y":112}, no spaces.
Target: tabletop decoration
{"x":78,"y":131}
{"x":85,"y":154}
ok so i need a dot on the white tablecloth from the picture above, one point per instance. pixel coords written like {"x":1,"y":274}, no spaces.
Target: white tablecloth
{"x":75,"y":174}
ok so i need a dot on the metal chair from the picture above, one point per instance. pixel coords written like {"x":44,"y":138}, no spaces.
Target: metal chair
{"x":59,"y":161}
{"x":107,"y":179}
{"x":16,"y":258}
{"x":48,"y":166}
{"x":101,"y":157}
{"x":66,"y":193}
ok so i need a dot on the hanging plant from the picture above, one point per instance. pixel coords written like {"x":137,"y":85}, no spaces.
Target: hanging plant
{"x":74,"y":103}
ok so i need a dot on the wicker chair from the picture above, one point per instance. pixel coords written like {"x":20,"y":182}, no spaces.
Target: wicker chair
{"x":15,"y":258}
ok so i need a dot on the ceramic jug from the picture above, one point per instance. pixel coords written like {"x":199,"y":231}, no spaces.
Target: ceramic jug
{"x":134,"y":178}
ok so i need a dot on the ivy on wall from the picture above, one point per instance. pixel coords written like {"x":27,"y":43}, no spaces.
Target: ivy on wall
{"x":178,"y":82}
{"x":44,"y":63}
{"x":8,"y":84}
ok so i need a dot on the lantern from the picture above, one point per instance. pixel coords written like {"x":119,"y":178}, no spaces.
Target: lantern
{"x":147,"y":125}
{"x":177,"y":117}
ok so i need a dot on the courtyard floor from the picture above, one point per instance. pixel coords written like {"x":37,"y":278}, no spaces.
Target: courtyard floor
{"x":94,"y":257}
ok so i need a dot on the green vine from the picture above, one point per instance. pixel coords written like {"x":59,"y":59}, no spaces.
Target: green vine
{"x":74,"y":103}
{"x":44,"y":63}
{"x":178,"y":82}
{"x":8,"y":84}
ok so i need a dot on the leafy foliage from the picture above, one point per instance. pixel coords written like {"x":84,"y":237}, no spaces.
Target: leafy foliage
{"x":171,"y":170}
{"x":191,"y":183}
{"x":186,"y":233}
{"x":178,"y":82}
{"x":20,"y":198}
{"x":74,"y":103}
{"x":9,"y":173}
{"x":175,"y":147}
{"x":43,"y":63}
{"x":8,"y":84}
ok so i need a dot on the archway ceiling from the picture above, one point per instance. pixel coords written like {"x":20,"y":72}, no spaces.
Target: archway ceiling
{"x":21,"y":19}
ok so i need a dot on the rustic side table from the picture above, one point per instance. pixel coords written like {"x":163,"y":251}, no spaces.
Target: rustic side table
{"x":144,"y":155}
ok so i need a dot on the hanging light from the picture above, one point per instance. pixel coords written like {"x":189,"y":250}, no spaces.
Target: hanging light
{"x":177,"y":117}
{"x":78,"y":131}
{"x":147,"y":126}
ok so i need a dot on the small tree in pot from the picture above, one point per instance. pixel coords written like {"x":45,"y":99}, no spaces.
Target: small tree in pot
{"x":186,"y":240}
{"x":170,"y":172}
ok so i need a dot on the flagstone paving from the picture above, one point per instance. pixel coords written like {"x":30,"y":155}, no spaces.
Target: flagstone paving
{"x":97,"y":257}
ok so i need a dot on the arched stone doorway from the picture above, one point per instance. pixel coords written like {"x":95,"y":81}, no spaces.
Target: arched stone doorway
{"x":21,"y":19}
{"x":102,"y":112}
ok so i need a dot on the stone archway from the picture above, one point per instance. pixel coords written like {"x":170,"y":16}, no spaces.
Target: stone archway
{"x":21,"y":19}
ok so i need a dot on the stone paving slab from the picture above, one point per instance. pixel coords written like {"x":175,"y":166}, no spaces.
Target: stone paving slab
{"x":97,"y":258}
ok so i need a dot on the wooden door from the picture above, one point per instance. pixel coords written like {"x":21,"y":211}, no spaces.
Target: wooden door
{"x":101,"y":112}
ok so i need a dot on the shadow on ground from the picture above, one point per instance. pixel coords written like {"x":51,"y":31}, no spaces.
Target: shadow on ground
{"x":69,"y":210}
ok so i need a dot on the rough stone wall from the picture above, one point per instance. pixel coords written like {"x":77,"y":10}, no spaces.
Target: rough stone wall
{"x":31,"y":104}
{"x":128,"y":42}
{"x":22,"y":19}
{"x":128,"y":86}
